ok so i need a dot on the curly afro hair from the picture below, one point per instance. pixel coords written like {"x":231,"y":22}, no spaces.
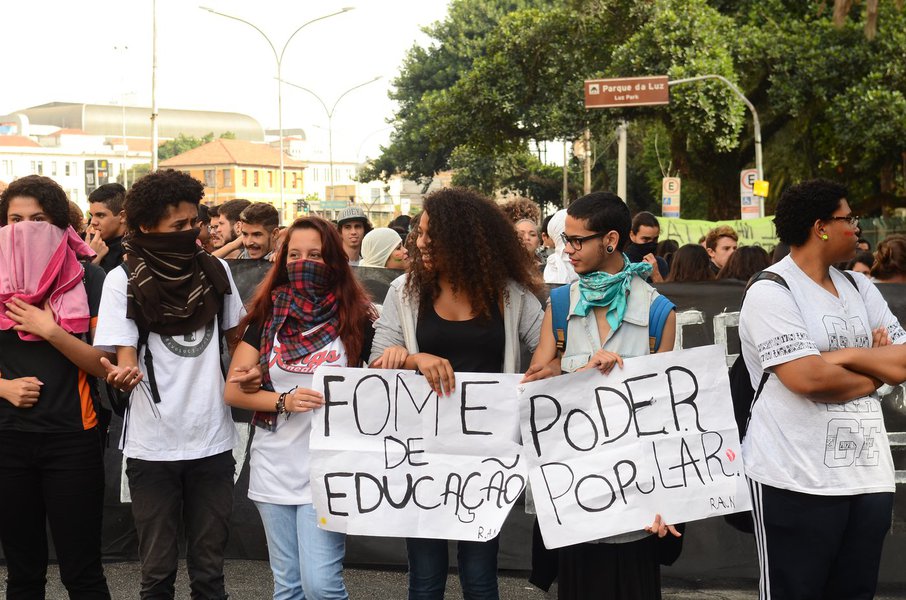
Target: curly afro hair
{"x":46,"y":191}
{"x":475,"y":246}
{"x":148,"y":199}
{"x":802,"y":204}
{"x":522,"y":208}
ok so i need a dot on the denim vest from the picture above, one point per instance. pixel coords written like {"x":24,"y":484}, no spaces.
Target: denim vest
{"x":629,"y":340}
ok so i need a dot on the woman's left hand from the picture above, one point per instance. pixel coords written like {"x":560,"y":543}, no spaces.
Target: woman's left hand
{"x":661,"y":528}
{"x":31,"y":319}
{"x":303,"y":400}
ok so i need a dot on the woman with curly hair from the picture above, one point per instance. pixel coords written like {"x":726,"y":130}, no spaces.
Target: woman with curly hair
{"x":461,"y":308}
{"x":890,"y":260}
{"x":817,"y":343}
{"x":309,"y":311}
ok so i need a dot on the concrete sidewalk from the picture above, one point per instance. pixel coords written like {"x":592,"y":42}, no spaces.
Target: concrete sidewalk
{"x":251,"y":580}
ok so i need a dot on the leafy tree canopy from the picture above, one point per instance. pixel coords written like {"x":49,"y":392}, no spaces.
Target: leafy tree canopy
{"x":499,"y":74}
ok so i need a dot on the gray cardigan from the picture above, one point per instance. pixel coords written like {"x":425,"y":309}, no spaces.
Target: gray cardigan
{"x":522,"y":315}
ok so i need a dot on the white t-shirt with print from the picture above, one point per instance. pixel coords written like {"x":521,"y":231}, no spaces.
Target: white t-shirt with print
{"x":794,"y":443}
{"x":191,"y":421}
{"x":279,"y":463}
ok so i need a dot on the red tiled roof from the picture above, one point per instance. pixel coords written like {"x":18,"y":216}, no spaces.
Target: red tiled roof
{"x":232,"y":152}
{"x":68,"y":132}
{"x":18,"y":140}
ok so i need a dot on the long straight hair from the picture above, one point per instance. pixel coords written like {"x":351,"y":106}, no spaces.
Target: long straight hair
{"x":355,"y":309}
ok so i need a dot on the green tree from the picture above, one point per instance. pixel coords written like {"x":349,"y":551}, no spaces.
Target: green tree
{"x":831,"y":101}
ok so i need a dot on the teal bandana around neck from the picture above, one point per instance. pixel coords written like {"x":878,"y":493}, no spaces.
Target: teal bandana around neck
{"x":609,"y":291}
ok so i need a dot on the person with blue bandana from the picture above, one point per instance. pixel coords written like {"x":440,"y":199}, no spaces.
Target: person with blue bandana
{"x":609,"y":308}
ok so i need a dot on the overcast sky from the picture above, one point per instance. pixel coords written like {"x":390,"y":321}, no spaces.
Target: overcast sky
{"x":64,"y":50}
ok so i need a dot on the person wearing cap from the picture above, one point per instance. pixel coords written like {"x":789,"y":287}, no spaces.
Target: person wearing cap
{"x":353,"y":225}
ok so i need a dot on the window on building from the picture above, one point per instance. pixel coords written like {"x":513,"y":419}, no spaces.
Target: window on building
{"x":297,"y":180}
{"x":53,"y":168}
{"x":375,"y":195}
{"x":255,"y":177}
{"x":210,"y":178}
{"x":245,"y":178}
{"x":67,"y":169}
{"x":227,"y":178}
{"x":270,"y":179}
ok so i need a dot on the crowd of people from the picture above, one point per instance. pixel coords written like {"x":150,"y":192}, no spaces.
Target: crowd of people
{"x":142,"y":300}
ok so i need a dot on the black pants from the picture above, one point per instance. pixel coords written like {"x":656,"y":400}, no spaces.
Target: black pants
{"x":197,"y":493}
{"x":821,"y":547}
{"x":55,"y":478}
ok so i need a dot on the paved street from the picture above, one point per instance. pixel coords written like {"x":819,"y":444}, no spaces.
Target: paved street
{"x":251,"y":580}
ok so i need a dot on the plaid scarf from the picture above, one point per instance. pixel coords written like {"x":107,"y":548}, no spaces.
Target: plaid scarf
{"x":175,"y":287}
{"x":305,"y":319}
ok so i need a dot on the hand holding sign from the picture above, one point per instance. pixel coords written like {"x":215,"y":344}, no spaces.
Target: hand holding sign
{"x":605,"y":452}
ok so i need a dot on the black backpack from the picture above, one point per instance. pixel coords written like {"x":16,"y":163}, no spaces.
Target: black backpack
{"x":744,"y":395}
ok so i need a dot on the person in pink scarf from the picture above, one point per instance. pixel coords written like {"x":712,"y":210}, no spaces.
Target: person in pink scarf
{"x":51,"y":467}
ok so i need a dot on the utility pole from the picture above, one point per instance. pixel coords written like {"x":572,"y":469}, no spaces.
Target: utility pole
{"x":586,"y":178}
{"x":621,"y":160}
{"x":154,"y":139}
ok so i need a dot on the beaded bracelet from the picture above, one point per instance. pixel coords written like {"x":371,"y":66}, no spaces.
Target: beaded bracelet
{"x":280,"y":407}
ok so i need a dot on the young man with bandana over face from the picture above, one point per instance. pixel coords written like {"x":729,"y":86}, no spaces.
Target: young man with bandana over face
{"x":607,"y":322}
{"x":177,"y":433}
{"x":642,"y":246}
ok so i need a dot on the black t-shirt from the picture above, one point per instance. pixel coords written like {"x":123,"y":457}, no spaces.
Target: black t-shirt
{"x":114,"y":256}
{"x":65,"y":403}
{"x":473,"y":346}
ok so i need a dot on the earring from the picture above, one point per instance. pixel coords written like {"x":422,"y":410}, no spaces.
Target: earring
{"x":824,"y":236}
{"x":609,"y":249}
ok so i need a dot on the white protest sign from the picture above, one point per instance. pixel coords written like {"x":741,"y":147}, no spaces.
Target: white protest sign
{"x":390,"y":458}
{"x":607,"y":453}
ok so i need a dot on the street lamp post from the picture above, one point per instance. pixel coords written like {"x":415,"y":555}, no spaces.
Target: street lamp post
{"x":756,"y":124}
{"x":330,"y":113}
{"x":279,"y":58}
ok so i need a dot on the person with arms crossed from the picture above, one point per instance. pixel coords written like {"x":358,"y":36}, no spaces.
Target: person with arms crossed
{"x":816,"y":450}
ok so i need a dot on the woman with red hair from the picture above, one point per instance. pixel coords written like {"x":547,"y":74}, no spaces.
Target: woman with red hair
{"x":309,"y":311}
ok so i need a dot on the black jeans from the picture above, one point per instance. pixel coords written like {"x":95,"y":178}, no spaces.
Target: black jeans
{"x":198,"y":493}
{"x":55,"y":478}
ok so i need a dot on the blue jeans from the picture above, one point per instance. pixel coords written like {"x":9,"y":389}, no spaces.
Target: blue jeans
{"x":307,"y":562}
{"x":429,"y":562}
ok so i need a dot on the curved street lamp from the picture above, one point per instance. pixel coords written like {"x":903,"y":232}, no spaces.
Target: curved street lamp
{"x":330,"y":112}
{"x":279,"y":58}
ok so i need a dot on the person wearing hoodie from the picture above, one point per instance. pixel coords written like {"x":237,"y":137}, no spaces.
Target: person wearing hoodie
{"x":558,"y":269}
{"x":383,"y":248}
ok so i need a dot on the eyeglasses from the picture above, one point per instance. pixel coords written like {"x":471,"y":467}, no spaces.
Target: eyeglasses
{"x":851,"y":219}
{"x":576,"y":241}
